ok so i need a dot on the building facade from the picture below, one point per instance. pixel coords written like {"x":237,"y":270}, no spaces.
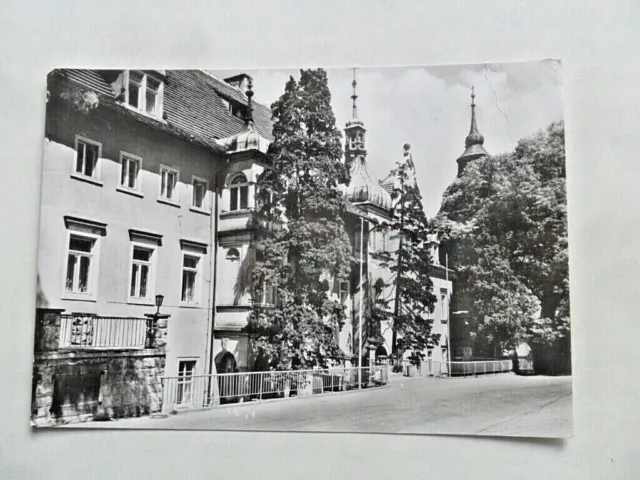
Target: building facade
{"x":132,"y":174}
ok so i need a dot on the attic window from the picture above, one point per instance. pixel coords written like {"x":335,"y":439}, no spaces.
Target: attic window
{"x":144,"y":93}
{"x":235,"y":109}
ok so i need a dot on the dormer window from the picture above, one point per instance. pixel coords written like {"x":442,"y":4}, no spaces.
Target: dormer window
{"x":151,"y":103}
{"x":239,"y":111}
{"x":144,"y":93}
{"x":234,"y":108}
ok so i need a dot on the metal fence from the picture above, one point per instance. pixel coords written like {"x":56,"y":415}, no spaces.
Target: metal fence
{"x":94,"y":332}
{"x":468,"y":368}
{"x":198,"y":391}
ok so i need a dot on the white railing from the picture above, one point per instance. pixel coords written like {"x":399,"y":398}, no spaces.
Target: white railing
{"x":468,"y":368}
{"x":199,"y":391}
{"x":93,"y":332}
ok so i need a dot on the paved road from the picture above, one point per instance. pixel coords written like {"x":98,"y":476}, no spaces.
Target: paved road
{"x":499,"y":405}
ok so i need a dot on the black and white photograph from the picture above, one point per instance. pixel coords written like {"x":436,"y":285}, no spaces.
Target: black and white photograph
{"x":353,"y":250}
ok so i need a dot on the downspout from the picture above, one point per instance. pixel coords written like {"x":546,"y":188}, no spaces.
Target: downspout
{"x":214,"y":271}
{"x":360,"y":306}
{"x":446,"y":269}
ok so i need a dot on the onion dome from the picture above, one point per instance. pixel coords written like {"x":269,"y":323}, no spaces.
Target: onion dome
{"x":474,"y":142}
{"x":248,"y":138}
{"x":362,"y":189}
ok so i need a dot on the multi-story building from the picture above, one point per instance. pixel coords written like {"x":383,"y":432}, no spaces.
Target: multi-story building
{"x":132,"y":175}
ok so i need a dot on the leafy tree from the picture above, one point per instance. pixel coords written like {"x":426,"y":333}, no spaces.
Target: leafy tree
{"x":410,"y":267}
{"x":505,"y":228}
{"x":301,"y":241}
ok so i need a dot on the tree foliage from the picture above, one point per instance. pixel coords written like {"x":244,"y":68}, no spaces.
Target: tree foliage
{"x":300,"y":237}
{"x":504,"y":222}
{"x":409,"y":264}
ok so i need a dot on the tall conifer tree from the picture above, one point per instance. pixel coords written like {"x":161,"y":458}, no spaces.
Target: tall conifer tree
{"x":300,"y":239}
{"x":409,"y":263}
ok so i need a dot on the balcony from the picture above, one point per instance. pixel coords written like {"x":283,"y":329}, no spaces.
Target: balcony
{"x":67,"y":332}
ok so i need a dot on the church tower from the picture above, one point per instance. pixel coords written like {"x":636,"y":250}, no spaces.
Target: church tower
{"x":362,"y":189}
{"x":354,"y":131}
{"x":474,"y":141}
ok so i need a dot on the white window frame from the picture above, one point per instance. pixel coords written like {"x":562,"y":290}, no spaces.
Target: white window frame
{"x":274,"y":295}
{"x":142,"y":94}
{"x":238,"y":186}
{"x":341,"y":283}
{"x":137,"y":188}
{"x":95,"y":178}
{"x":180,"y":382}
{"x":151,"y":280}
{"x":444,"y":300}
{"x":204,"y":208}
{"x":197,"y":292}
{"x":91,"y":293}
{"x":148,"y":89}
{"x":175,"y":199}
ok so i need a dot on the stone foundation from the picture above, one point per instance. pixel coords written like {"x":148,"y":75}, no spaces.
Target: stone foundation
{"x":73,"y":387}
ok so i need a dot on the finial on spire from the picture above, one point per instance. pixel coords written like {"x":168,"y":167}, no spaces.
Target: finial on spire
{"x":354,"y":96}
{"x":249,"y":117}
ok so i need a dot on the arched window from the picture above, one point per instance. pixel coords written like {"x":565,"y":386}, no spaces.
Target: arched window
{"x":238,"y":193}
{"x":233,"y":254}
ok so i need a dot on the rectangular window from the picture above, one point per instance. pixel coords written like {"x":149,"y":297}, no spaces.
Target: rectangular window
{"x":445,"y":307}
{"x":87,"y":154}
{"x":239,"y":198}
{"x":130,"y":171}
{"x":190,"y":274}
{"x":168,"y":183}
{"x":135,"y":87}
{"x":233,"y":202}
{"x":200,"y":188}
{"x":79,"y":264}
{"x":141,"y":271}
{"x":269,"y":295}
{"x":343,"y":292}
{"x":152,"y":95}
{"x":144,"y":93}
{"x":186,"y":371}
{"x":244,"y":197}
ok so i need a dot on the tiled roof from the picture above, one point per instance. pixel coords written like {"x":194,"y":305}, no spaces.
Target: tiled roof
{"x":193,"y":102}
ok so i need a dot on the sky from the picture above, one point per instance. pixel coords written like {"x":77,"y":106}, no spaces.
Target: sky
{"x":429,"y":108}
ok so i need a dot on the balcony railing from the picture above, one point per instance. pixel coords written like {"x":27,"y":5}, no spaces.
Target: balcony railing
{"x":199,"y":391}
{"x":94,"y":332}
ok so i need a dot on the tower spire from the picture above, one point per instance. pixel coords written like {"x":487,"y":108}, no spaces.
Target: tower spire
{"x":354,"y":97}
{"x":474,"y":137}
{"x":354,"y":131}
{"x":474,"y":142}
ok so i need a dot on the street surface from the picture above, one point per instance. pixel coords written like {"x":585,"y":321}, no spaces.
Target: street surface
{"x":496,"y":405}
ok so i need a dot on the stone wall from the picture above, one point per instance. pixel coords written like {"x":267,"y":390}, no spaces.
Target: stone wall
{"x":85,"y":383}
{"x":80,"y":386}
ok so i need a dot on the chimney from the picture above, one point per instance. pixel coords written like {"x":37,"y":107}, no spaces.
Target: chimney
{"x":240,"y":81}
